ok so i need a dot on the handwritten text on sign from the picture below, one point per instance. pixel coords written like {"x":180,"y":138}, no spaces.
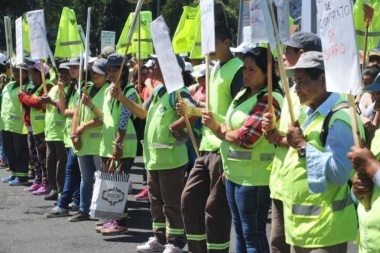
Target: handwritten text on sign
{"x":36,"y":20}
{"x":19,"y":41}
{"x":107,"y":39}
{"x":208,"y":26}
{"x":339,"y":46}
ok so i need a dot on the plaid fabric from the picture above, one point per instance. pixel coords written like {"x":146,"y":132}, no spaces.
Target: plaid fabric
{"x":251,"y":131}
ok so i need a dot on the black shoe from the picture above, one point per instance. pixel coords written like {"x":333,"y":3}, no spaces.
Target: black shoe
{"x":80,"y":216}
{"x":52,"y":196}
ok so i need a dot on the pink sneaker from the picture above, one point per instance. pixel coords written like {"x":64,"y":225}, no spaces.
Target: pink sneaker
{"x":33,"y":187}
{"x":142,"y":195}
{"x":43,"y":190}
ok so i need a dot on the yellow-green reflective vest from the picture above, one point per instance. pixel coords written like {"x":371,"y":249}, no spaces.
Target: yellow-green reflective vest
{"x":161,"y":150}
{"x":196,"y":50}
{"x":277,"y":170}
{"x":369,"y":220}
{"x":111,"y":116}
{"x":220,"y":99}
{"x":316,"y":219}
{"x":37,"y":116}
{"x":72,"y":104}
{"x":54,"y":121}
{"x":373,"y":29}
{"x":185,"y":34}
{"x":247,"y":166}
{"x":90,"y":139}
{"x":11,"y":110}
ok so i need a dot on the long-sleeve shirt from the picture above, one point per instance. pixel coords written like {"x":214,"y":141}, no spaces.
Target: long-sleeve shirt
{"x":331,"y":163}
{"x":252,"y":130}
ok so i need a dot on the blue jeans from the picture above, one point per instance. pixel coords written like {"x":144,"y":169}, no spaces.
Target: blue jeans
{"x":70,"y":191}
{"x":2,"y":153}
{"x":249,"y":208}
{"x":88,"y":164}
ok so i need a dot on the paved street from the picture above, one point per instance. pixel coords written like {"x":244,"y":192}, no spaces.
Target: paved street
{"x":24,"y":228}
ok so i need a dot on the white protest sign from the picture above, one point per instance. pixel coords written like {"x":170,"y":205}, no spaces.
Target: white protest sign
{"x":340,"y":53}
{"x":258,"y":30}
{"x":19,"y":42}
{"x":8,"y":36}
{"x":208,"y":26}
{"x":36,"y":20}
{"x":283,"y":15}
{"x":268,"y":23}
{"x":107,"y":38}
{"x":170,"y":69}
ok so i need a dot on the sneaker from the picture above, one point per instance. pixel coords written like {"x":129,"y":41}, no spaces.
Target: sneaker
{"x":19,"y":181}
{"x":113,"y":228}
{"x":142,"y":195}
{"x":51,"y":196}
{"x":7,"y":179}
{"x":73,"y":207}
{"x":79,"y":216}
{"x":33,"y":187}
{"x":57,"y":212}
{"x":130,"y":189}
{"x":43,"y":190}
{"x":152,"y":245}
{"x":170,"y":248}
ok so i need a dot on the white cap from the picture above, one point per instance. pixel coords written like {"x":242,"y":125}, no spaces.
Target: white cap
{"x":200,"y":70}
{"x":242,"y":48}
{"x":188,"y":67}
{"x":3,"y":59}
{"x":149,"y":63}
{"x":92,"y":59}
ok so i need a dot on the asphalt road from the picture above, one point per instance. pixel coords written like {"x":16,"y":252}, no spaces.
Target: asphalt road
{"x":24,"y":228}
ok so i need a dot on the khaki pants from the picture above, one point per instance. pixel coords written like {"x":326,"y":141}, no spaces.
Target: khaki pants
{"x":277,"y":235}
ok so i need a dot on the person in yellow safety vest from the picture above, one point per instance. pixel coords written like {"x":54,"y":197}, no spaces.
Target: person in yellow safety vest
{"x":367,"y":181}
{"x":165,"y":158}
{"x":86,"y":133}
{"x":119,"y":139}
{"x":34,"y":118}
{"x":15,"y":138}
{"x":246,"y":154}
{"x":205,"y":209}
{"x":318,"y":210}
{"x":299,"y":43}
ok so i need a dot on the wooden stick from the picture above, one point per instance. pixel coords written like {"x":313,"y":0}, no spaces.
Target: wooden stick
{"x":207,"y":82}
{"x":139,"y":52}
{"x":368,"y":15}
{"x":42,"y":70}
{"x":189,"y":128}
{"x":284,"y":78}
{"x":270,"y":81}
{"x":366,"y":199}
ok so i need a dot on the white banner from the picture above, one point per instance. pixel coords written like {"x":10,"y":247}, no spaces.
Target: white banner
{"x":283,"y":15}
{"x":19,"y":42}
{"x":340,"y":52}
{"x":258,"y":30}
{"x":170,"y":69}
{"x":208,"y":26}
{"x":107,"y":39}
{"x":8,"y":36}
{"x":36,"y":20}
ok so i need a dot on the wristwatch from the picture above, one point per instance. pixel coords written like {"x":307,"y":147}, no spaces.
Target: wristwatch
{"x":301,"y":151}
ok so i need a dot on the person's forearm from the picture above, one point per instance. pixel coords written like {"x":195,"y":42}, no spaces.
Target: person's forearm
{"x":92,"y":124}
{"x":75,"y":122}
{"x":135,"y":108}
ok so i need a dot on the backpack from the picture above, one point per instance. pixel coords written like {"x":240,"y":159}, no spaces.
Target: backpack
{"x":325,"y":128}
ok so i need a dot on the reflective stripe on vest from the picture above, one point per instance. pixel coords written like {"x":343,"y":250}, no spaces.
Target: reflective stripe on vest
{"x":39,"y":117}
{"x":130,"y":136}
{"x":95,"y":135}
{"x":14,"y":117}
{"x":240,"y":155}
{"x":60,"y":123}
{"x":167,"y":145}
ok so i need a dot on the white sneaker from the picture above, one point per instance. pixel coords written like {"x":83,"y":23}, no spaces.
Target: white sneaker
{"x":170,"y":248}
{"x":152,"y":245}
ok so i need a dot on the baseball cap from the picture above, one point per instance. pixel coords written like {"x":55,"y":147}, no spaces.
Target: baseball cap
{"x":115,"y":60}
{"x":149,"y":63}
{"x":375,"y":86}
{"x":307,"y":60}
{"x":37,"y":66}
{"x":306,"y":41}
{"x":99,"y":66}
{"x":63,"y":66}
{"x":180,"y":61}
{"x":201,"y":71}
{"x":3,"y":59}
{"x":75,"y":61}
{"x":23,"y":66}
{"x":107,"y":51}
{"x":242,"y":48}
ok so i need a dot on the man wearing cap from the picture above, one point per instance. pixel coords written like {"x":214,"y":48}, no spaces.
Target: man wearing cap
{"x":205,"y":209}
{"x":299,"y":43}
{"x":318,"y":210}
{"x":34,"y":118}
{"x":367,"y":181}
{"x":14,"y":134}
